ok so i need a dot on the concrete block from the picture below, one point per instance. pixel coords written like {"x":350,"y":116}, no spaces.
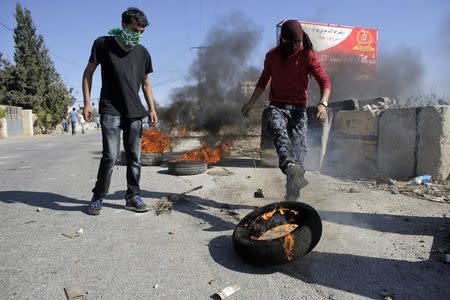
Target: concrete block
{"x":352,"y":150}
{"x":351,"y":104}
{"x":3,"y":129}
{"x":433,"y":150}
{"x":27,"y":118}
{"x":362,"y":123}
{"x":353,"y":157}
{"x":397,"y":143}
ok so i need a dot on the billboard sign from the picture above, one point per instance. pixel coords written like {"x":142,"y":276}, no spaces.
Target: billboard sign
{"x":348,"y":48}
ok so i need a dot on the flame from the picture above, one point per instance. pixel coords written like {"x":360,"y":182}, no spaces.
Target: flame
{"x":155,"y":141}
{"x":208,"y":154}
{"x":289,"y":245}
{"x":270,"y":214}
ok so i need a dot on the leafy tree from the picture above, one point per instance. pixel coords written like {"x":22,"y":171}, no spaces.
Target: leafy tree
{"x":33,"y":82}
{"x":6,"y":80}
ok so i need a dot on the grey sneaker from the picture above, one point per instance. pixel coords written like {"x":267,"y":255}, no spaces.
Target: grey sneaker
{"x":95,"y":207}
{"x":295,"y":177}
{"x":136,"y":204}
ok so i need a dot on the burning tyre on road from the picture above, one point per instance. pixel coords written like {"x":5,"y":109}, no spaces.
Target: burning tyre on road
{"x":277,"y":233}
{"x":196,"y":161}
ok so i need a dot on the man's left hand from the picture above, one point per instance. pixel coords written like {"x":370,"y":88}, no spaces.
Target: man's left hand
{"x":321,"y":113}
{"x":153,"y":117}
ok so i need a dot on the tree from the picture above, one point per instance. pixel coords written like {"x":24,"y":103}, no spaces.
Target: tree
{"x":34,"y":83}
{"x":6,"y":80}
{"x":29,"y":77}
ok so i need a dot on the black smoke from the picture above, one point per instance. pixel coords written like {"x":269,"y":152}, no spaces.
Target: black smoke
{"x":214,"y":99}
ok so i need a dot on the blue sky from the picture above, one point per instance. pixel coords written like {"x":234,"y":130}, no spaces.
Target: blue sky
{"x":70,"y":27}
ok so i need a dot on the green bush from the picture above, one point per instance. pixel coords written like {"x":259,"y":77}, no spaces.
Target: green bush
{"x":2,"y":113}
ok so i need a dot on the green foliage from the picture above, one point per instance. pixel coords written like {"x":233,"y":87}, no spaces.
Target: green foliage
{"x":2,"y":112}
{"x":33,"y":82}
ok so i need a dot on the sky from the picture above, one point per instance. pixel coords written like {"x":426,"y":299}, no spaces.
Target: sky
{"x":70,"y":27}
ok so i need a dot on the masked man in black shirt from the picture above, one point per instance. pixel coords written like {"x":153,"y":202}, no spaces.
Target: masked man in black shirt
{"x":125,"y":65}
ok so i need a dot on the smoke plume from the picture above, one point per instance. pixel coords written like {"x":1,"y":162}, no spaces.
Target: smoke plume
{"x":400,"y":74}
{"x":214,"y":98}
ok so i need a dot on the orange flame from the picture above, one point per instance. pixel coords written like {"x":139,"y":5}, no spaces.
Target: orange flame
{"x":155,"y":141}
{"x":270,"y":214}
{"x":208,"y":154}
{"x":289,"y":245}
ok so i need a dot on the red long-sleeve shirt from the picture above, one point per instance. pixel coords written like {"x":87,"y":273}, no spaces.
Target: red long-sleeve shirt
{"x":290,"y":79}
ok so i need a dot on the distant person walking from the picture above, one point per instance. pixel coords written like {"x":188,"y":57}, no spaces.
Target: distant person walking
{"x":74,"y":120}
{"x":64,"y":122}
{"x":82,"y":123}
{"x":125,"y":65}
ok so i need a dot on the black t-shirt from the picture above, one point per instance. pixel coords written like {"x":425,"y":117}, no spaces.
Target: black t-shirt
{"x":122,"y":75}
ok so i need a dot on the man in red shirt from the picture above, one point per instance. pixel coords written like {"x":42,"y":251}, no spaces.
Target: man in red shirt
{"x":288,"y":66}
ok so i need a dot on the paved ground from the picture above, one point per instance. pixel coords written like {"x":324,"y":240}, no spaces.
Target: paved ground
{"x":373,"y":242}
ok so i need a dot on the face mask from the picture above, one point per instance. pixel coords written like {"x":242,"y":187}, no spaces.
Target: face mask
{"x":288,"y":48}
{"x":126,"y":36}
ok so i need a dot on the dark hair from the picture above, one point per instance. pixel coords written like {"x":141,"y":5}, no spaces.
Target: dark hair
{"x":307,"y":44}
{"x":134,"y":15}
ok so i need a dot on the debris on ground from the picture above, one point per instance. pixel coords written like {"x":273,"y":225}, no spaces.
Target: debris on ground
{"x":258,"y":194}
{"x":211,"y":281}
{"x":156,"y":286}
{"x":39,"y":209}
{"x":165,"y":205}
{"x":349,"y":190}
{"x":172,"y":232}
{"x":220,"y":172}
{"x":226,"y":292}
{"x":71,"y":233}
{"x":75,"y":292}
{"x":435,"y":191}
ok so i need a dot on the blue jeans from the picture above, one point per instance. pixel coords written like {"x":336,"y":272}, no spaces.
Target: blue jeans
{"x":74,"y":127}
{"x":132,"y":134}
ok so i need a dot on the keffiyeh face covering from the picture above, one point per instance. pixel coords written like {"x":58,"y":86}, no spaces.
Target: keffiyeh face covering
{"x":126,"y":36}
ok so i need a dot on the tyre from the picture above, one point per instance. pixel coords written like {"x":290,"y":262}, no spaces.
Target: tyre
{"x":187,"y":167}
{"x":257,"y":240}
{"x":151,"y":158}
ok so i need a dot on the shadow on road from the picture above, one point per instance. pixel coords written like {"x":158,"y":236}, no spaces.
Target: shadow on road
{"x":214,"y":213}
{"x":48,"y":201}
{"x":361,"y":275}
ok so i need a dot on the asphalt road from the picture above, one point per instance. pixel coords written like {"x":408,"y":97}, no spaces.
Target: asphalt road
{"x":373,"y":243}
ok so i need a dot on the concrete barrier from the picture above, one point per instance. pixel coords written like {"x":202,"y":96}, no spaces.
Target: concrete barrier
{"x":3,"y":128}
{"x":397,"y":138}
{"x":27,"y":118}
{"x":433,"y":150}
{"x":352,"y":147}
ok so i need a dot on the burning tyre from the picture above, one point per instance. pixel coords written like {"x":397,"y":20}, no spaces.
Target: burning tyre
{"x":277,"y":233}
{"x":187,"y":167}
{"x":151,"y":158}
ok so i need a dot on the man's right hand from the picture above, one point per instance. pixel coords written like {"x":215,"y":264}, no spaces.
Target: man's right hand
{"x":247,"y":108}
{"x":87,"y":113}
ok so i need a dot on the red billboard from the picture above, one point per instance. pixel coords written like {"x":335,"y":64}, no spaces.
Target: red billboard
{"x":339,"y":48}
